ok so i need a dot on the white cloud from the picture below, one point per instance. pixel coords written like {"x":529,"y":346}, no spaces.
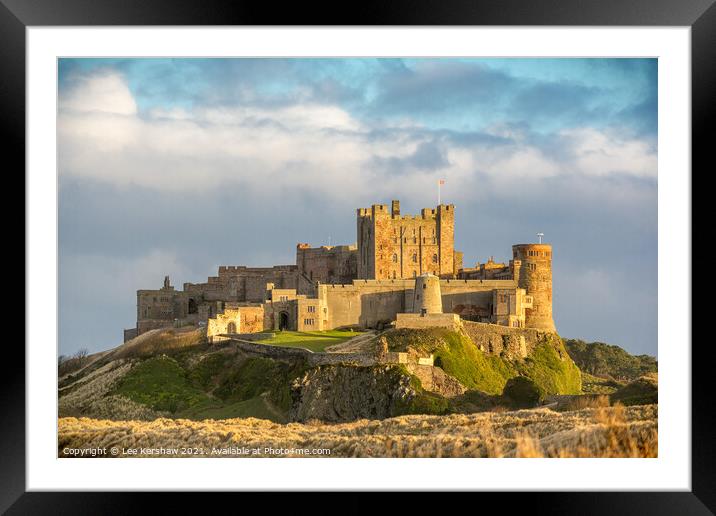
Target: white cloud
{"x":321,"y":148}
{"x":104,"y":93}
{"x":598,"y":153}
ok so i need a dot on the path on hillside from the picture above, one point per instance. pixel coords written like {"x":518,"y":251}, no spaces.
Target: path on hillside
{"x":360,"y":344}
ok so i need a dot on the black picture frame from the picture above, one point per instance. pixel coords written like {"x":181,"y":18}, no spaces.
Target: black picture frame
{"x":17,"y":15}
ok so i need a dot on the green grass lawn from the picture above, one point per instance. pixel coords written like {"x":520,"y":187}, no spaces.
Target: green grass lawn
{"x":313,"y":340}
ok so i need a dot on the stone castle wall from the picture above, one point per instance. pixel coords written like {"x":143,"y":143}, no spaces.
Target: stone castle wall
{"x":295,"y":354}
{"x":366,"y":303}
{"x":327,"y":264}
{"x":503,"y":340}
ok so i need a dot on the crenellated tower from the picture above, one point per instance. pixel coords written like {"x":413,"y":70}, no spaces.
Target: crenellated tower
{"x":534,"y":274}
{"x":395,"y":246}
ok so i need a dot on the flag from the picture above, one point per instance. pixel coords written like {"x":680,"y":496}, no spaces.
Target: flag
{"x":441,"y":182}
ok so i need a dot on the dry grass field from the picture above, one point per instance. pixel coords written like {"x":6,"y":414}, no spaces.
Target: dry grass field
{"x":616,"y":431}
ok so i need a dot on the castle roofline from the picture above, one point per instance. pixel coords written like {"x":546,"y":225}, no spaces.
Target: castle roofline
{"x":541,"y":246}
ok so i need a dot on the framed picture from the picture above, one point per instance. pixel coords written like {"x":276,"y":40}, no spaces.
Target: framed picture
{"x":294,"y":257}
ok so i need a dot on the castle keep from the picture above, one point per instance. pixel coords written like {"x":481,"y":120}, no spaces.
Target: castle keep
{"x":391,"y":245}
{"x":397,"y":262}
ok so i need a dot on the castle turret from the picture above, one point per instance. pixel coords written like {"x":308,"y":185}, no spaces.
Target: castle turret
{"x":167,"y":284}
{"x":426,"y":297}
{"x":446,"y":239}
{"x":533,"y":272}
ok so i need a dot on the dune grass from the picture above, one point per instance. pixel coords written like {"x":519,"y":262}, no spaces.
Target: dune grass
{"x":313,"y":340}
{"x":593,"y":432}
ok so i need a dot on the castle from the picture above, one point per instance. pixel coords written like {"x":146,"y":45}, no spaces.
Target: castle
{"x":403,"y":270}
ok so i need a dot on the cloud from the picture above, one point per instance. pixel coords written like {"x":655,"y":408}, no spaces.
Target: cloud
{"x":105,"y":92}
{"x":433,"y":85}
{"x":310,"y":146}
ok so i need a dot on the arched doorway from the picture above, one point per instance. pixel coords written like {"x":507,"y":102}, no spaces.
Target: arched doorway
{"x":231,"y":327}
{"x":192,"y":306}
{"x":283,"y":320}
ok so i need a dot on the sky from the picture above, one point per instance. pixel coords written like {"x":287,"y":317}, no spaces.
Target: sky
{"x":176,"y":166}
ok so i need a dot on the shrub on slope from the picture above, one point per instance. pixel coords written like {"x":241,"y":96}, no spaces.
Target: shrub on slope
{"x":605,"y":360}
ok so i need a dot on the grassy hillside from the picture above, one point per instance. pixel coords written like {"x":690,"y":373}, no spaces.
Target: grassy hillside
{"x":221,"y":384}
{"x":456,"y":354}
{"x":609,"y":361}
{"x":176,"y":373}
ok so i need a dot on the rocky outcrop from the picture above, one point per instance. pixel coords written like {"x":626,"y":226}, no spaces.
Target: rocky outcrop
{"x":436,"y":380}
{"x":335,"y":393}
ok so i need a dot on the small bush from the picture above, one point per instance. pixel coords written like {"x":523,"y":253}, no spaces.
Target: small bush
{"x":643,"y":391}
{"x":551,"y":368}
{"x":424,"y":403}
{"x":522,"y":392}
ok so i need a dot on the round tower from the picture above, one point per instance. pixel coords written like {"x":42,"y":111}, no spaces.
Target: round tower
{"x":535,"y":276}
{"x":426,"y":297}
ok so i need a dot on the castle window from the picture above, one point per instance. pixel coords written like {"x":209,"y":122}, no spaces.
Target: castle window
{"x":415,"y":257}
{"x":415,"y":274}
{"x":311,"y":308}
{"x":393,"y":274}
{"x":395,"y":258}
{"x":415,"y":240}
{"x":405,"y":240}
{"x":435,"y":258}
{"x":435,"y":241}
